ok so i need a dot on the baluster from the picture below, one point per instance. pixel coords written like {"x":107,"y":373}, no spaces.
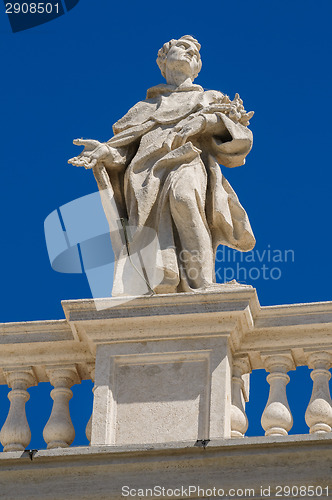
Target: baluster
{"x":239,"y":420}
{"x":15,"y":434}
{"x":319,"y":412}
{"x":277,"y":419}
{"x":88,"y":428}
{"x":59,"y":431}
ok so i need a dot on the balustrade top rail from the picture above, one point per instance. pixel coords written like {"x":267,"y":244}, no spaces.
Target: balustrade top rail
{"x":299,"y":328}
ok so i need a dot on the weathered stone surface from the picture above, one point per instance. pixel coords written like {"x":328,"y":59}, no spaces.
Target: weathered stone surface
{"x":100,"y":472}
{"x":160,"y":170}
{"x":171,"y":367}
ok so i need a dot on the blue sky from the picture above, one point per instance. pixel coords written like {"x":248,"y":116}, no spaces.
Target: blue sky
{"x":75,"y":76}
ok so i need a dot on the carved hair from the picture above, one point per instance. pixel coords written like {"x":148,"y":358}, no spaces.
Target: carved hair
{"x":162,"y":54}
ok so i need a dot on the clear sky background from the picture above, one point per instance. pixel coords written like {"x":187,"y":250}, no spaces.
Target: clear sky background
{"x":75,"y":76}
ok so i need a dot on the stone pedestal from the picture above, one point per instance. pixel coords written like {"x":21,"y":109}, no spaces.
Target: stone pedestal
{"x":159,"y":392}
{"x":163,"y":364}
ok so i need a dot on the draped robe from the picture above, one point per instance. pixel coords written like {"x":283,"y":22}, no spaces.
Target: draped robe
{"x":147,"y":177}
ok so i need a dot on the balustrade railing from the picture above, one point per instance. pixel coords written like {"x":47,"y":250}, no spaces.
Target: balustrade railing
{"x":277,"y":419}
{"x":54,"y":355}
{"x":15,"y":434}
{"x":279,"y":341}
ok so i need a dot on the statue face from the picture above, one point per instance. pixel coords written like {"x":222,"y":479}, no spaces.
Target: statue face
{"x":183,"y":57}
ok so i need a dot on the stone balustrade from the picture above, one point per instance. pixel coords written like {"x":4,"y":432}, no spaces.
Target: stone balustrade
{"x":34,"y":352}
{"x":168,"y":368}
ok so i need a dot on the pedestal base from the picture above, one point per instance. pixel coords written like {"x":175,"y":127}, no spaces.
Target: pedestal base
{"x":164,"y":364}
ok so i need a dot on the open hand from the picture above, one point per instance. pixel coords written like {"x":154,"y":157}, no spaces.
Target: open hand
{"x":94,"y":151}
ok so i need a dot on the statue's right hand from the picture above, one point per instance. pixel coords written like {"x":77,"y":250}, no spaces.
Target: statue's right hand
{"x":94,"y":151}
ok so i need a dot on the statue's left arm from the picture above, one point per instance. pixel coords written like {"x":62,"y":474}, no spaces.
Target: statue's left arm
{"x":227,"y":139}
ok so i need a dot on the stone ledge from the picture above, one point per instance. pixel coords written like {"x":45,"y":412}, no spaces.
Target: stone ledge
{"x":181,"y":303}
{"x":186,"y":447}
{"x":100,"y":473}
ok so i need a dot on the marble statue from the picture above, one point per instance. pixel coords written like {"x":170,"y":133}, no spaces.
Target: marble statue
{"x":162,"y":166}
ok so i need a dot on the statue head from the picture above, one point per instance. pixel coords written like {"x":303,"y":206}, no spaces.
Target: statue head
{"x":180,"y":55}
